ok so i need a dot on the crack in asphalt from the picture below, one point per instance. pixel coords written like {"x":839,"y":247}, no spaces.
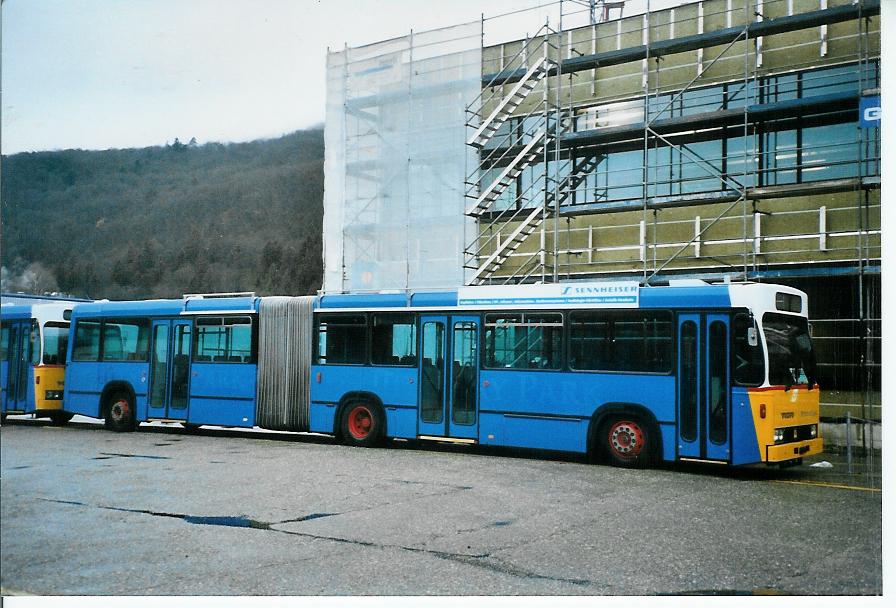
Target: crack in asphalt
{"x":492,"y":564}
{"x":305,"y":518}
{"x":484,"y":561}
{"x":416,"y":482}
{"x":212,"y":520}
{"x":110,"y":454}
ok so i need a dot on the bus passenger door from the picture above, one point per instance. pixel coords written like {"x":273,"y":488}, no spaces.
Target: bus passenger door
{"x":704,"y":392}
{"x":17,"y":377}
{"x":169,"y":373}
{"x":448,"y":377}
{"x":717,"y":418}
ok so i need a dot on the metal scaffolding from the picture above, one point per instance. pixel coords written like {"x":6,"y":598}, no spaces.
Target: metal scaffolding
{"x":714,"y":175}
{"x":715,"y":139}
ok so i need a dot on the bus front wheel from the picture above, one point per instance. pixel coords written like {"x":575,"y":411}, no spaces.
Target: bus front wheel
{"x":120,"y":413}
{"x":362,"y":424}
{"x":628,"y":442}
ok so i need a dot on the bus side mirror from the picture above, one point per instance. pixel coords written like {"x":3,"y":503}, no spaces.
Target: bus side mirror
{"x":752,"y":336}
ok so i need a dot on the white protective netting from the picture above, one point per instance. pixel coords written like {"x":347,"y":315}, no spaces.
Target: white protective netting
{"x":396,"y":160}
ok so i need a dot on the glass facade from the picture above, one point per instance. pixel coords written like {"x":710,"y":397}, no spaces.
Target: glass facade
{"x":782,"y":145}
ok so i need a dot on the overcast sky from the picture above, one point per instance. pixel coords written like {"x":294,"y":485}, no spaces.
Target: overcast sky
{"x":99,"y":74}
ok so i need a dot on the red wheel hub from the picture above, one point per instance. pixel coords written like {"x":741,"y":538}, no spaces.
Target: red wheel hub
{"x":360,"y":422}
{"x":626,"y":439}
{"x":120,"y":409}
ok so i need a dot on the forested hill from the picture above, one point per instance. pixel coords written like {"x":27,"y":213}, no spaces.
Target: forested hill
{"x":164,"y":221}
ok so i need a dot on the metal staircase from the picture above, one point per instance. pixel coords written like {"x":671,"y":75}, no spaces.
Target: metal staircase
{"x":509,"y":152}
{"x":510,"y":103}
{"x":508,"y":246}
{"x":530,"y":154}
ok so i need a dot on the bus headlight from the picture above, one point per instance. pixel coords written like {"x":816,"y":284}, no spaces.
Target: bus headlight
{"x":813,"y":431}
{"x":53,"y":395}
{"x":779,"y":435}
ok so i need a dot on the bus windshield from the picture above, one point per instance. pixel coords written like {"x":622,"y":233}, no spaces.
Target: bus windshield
{"x":55,"y":343}
{"x":791,"y":359}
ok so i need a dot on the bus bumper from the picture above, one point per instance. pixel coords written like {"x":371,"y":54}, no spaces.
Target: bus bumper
{"x":791,"y":451}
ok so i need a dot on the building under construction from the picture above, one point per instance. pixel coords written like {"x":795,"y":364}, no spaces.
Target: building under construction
{"x":720,"y":140}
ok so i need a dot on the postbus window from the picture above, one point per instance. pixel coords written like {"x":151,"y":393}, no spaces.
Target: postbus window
{"x":34,"y":343}
{"x":718,"y":382}
{"x":590,"y":345}
{"x":748,"y":361}
{"x":788,"y":302}
{"x":394,"y":340}
{"x":688,"y":382}
{"x":224,"y":340}
{"x":432,"y":372}
{"x":4,"y":343}
{"x":636,"y":341}
{"x":55,"y":343}
{"x":87,"y":341}
{"x":126,"y":340}
{"x":523,"y":340}
{"x":791,"y":359}
{"x":342,"y":339}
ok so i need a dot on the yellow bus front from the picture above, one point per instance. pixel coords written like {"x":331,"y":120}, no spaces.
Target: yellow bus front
{"x":786,"y":422}
{"x":49,"y":385}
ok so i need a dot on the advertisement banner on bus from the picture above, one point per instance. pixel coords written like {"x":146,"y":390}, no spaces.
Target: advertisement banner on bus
{"x":616,"y":294}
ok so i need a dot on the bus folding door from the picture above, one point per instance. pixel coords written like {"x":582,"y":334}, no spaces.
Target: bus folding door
{"x":704,"y":387}
{"x":449,"y":377}
{"x":169,"y":370}
{"x":17,"y":380}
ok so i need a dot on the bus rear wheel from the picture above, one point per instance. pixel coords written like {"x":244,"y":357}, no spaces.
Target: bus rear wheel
{"x":628,"y":442}
{"x":120,"y":413}
{"x":362,"y":425}
{"x":60,"y":418}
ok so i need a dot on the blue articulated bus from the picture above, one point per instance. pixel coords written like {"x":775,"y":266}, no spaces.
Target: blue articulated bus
{"x":634,"y":375}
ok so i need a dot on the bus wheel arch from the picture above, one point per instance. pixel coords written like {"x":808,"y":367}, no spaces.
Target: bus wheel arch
{"x":625,"y":435}
{"x":118,"y":407}
{"x":360,"y":419}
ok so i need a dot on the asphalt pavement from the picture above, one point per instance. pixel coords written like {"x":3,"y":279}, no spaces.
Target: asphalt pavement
{"x":163,"y":511}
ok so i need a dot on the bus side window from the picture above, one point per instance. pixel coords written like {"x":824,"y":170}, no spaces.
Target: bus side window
{"x":523,"y":341}
{"x":621,"y":341}
{"x":112,"y":348}
{"x":342,"y":339}
{"x":35,"y":343}
{"x":125,"y":340}
{"x":4,"y":343}
{"x":87,"y":341}
{"x":748,"y":361}
{"x":394,"y":339}
{"x":224,"y":340}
